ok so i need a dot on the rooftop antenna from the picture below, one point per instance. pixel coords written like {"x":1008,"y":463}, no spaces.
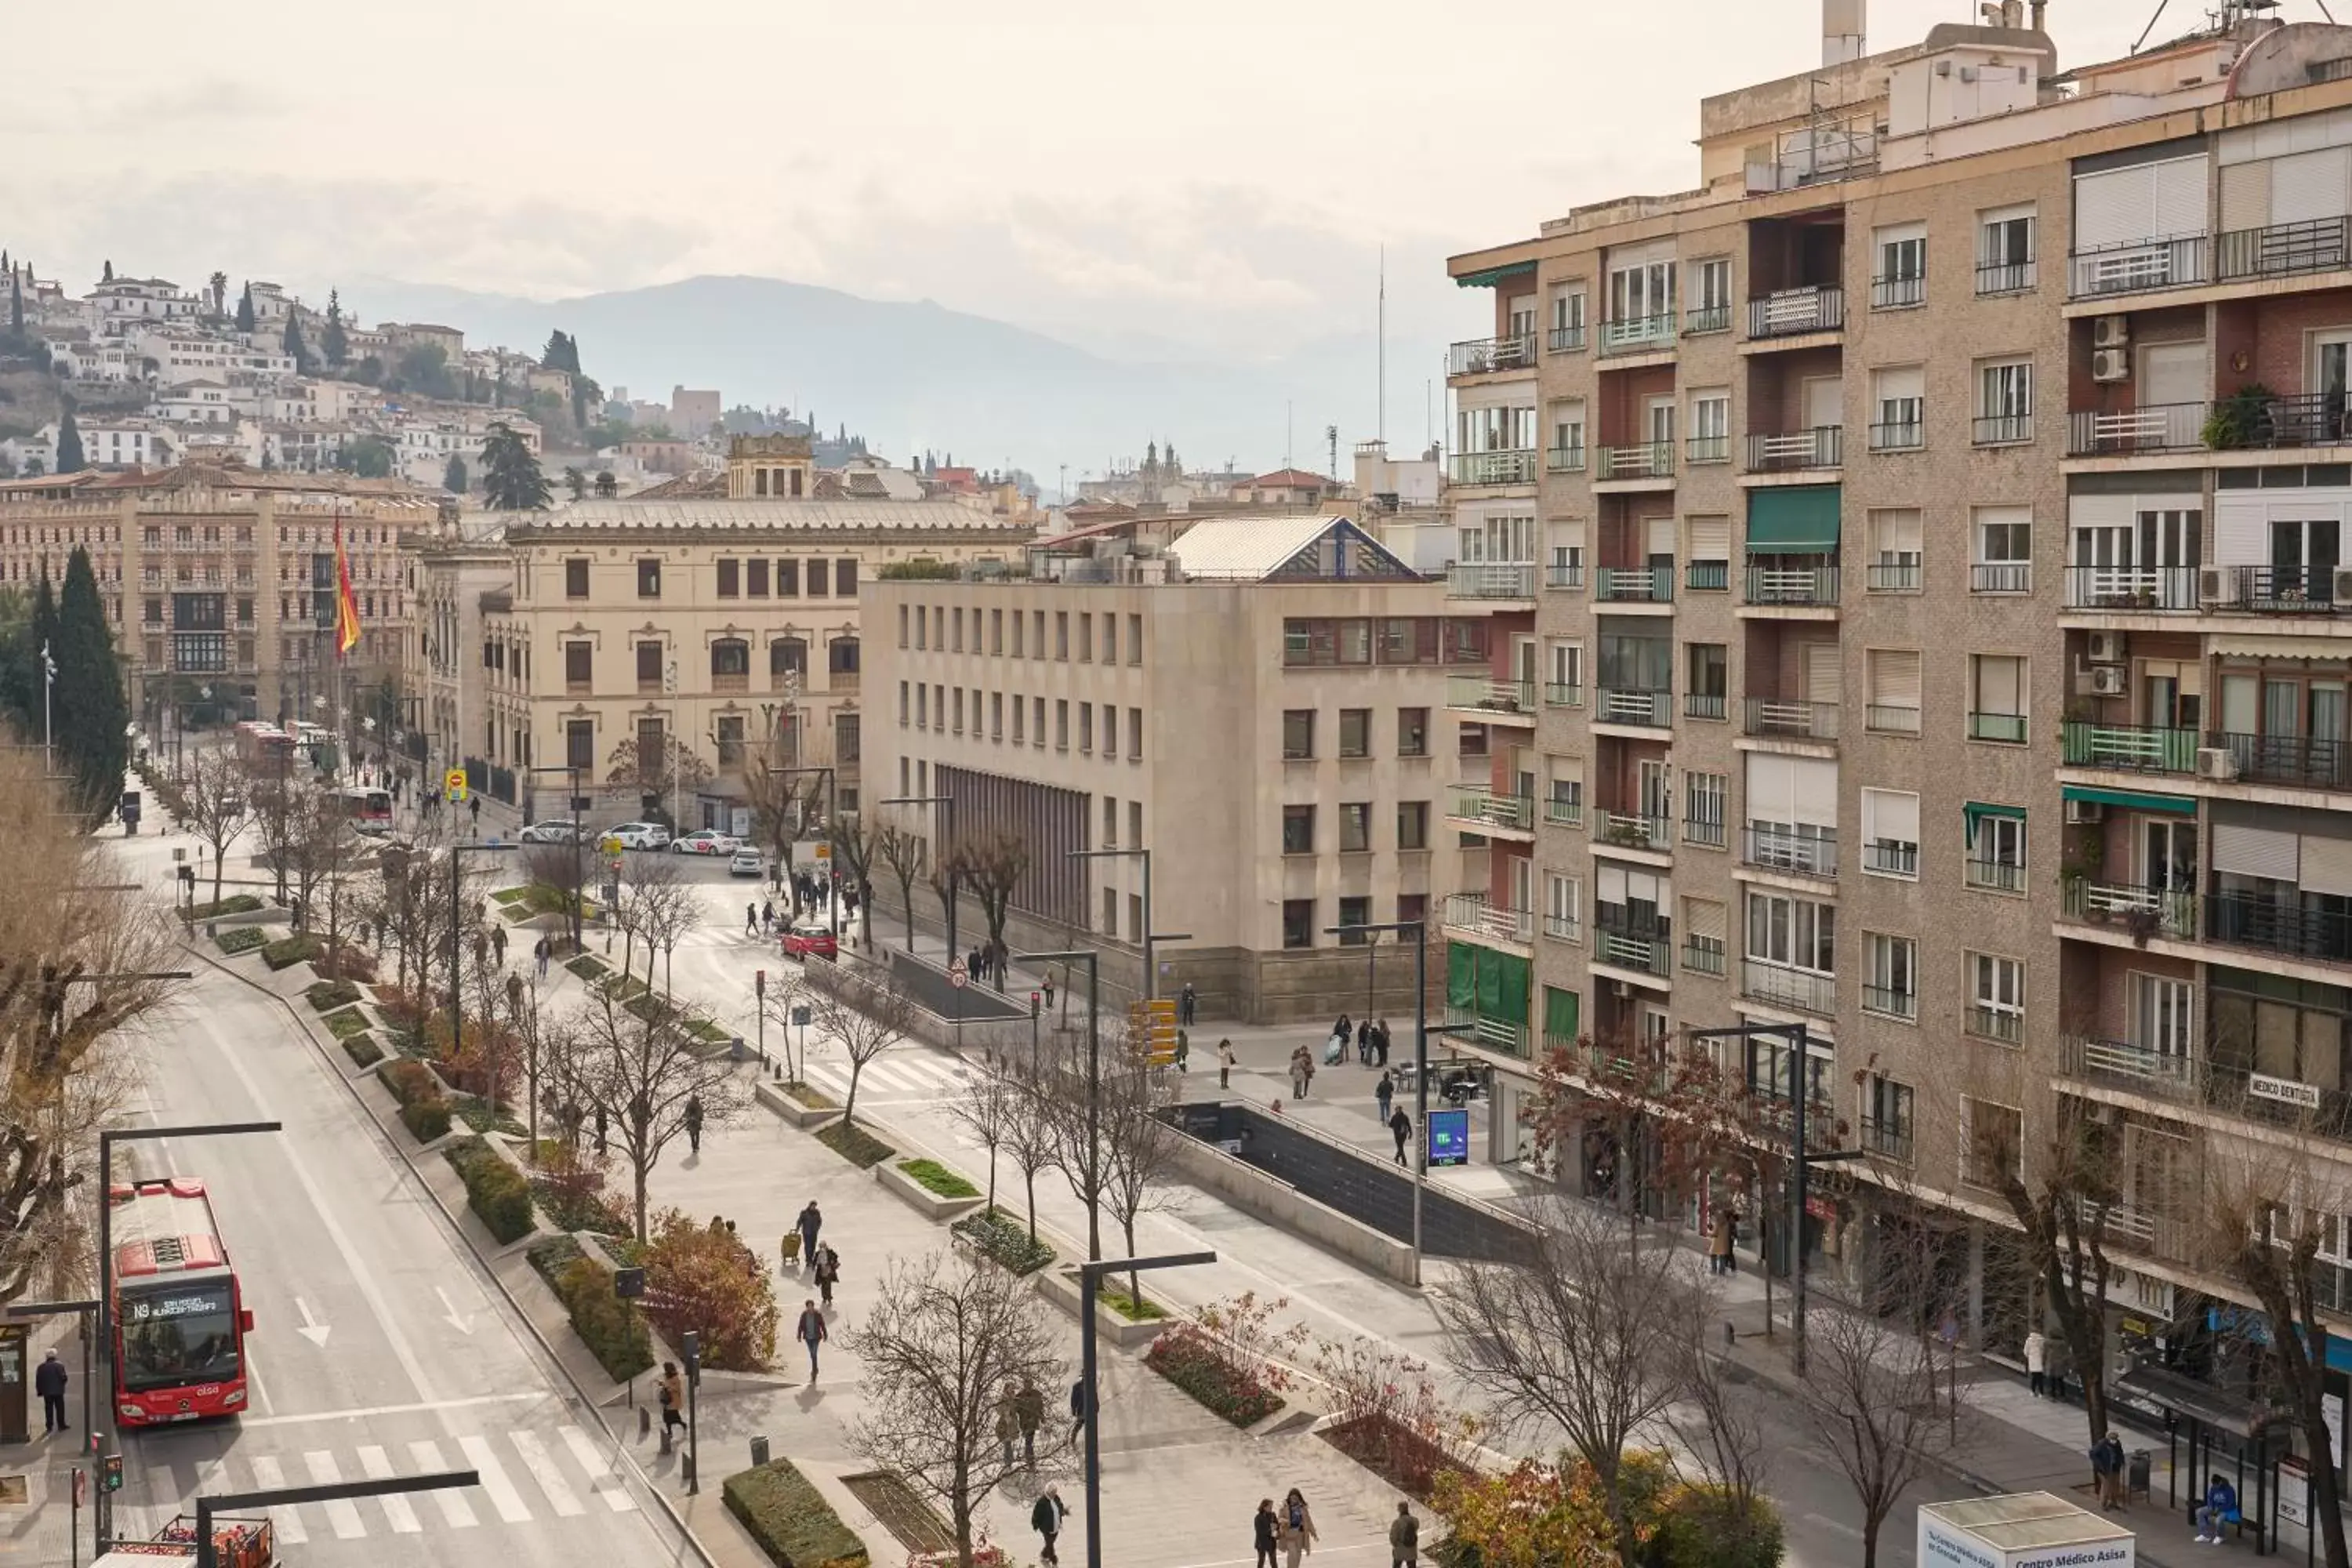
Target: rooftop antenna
{"x":1286,"y":432}
{"x":1331,"y":434}
{"x":2152,"y":21}
{"x":1380,"y":415}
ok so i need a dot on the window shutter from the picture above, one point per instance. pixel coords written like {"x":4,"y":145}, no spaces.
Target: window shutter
{"x":1998,"y":684}
{"x":1609,"y":883}
{"x":1660,"y":532}
{"x":1567,"y":534}
{"x":2307,"y":185}
{"x":1895,"y":677}
{"x":2246,"y":196}
{"x":1706,"y":920}
{"x":1772,"y":787}
{"x":2180,"y":197}
{"x":1814,"y":802}
{"x":1710,"y":538}
{"x":1890,"y":813}
{"x":2327,"y":866}
{"x":2242,"y":529}
{"x":1825,"y":680}
{"x":2115,"y":206}
{"x":2255,"y":852}
{"x":1904,"y":381}
{"x":1898,"y":532}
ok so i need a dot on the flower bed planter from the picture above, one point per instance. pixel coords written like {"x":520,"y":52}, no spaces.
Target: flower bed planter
{"x":781,"y":1099}
{"x":1061,"y":1287}
{"x":1003,"y":1239}
{"x":938,"y":1207}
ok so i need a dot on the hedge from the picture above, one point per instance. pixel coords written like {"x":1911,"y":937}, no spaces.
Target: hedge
{"x":288,"y":952}
{"x":409,"y":1081}
{"x":362,"y":1049}
{"x":243,"y":939}
{"x":494,"y":1189}
{"x":242,"y":904}
{"x":1187,"y":1357}
{"x":426,"y":1119}
{"x":348,"y":1024}
{"x":610,"y":1328}
{"x":1004,"y":1238}
{"x":790,"y":1519}
{"x":938,"y":1180}
{"x":329,"y":994}
{"x":854,"y":1144}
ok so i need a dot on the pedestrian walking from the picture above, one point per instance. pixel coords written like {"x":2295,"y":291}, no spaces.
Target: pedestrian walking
{"x":1380,"y":1043}
{"x":1265,"y":1527}
{"x":811,"y":1331}
{"x":751,"y":919}
{"x":1077,"y":1408}
{"x":473,"y":812}
{"x":1183,"y":1049}
{"x":673,"y":1399}
{"x":1718,"y":1243}
{"x":499,"y":944}
{"x":1046,"y":1519}
{"x":601,"y":1149}
{"x":1008,"y":1423}
{"x":49,"y":1382}
{"x":1225,"y":1064}
{"x":1297,"y":1531}
{"x":1188,"y":1005}
{"x":2037,"y":1365}
{"x":1302,"y":1068}
{"x":1386,"y":1094}
{"x":1401,"y":1129}
{"x":538,"y":956}
{"x":1404,"y":1538}
{"x":1029,"y":1409}
{"x":828,"y":1269}
{"x":2107,"y":1471}
{"x":1049,"y":993}
{"x":1364,"y":1043}
{"x":810,"y":1223}
{"x":768,"y":915}
{"x":694,"y":1124}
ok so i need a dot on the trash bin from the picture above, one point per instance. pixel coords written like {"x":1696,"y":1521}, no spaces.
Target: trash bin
{"x":759,"y":1451}
{"x":2135,"y":1476}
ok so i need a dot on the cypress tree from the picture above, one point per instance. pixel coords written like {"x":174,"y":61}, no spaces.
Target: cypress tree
{"x":92,"y":712}
{"x":295,"y":346}
{"x":244,"y":318}
{"x":334,"y":342}
{"x":70,"y":458}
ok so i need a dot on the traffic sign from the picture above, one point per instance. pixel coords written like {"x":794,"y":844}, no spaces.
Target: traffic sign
{"x":825,"y":851}
{"x":453,"y":784}
{"x":1152,"y":1026}
{"x":957,"y":975}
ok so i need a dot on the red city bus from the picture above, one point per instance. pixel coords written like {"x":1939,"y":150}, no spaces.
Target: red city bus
{"x":367,"y":810}
{"x":260,"y":743}
{"x":179,"y":1318}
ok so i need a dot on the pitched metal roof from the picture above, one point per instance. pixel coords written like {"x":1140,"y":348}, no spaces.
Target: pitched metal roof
{"x":1253,"y":549}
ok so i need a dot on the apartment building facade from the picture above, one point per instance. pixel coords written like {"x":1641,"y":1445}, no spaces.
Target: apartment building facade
{"x":1915,"y":563}
{"x":1259,"y":707}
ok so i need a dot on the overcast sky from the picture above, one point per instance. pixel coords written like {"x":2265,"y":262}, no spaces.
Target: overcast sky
{"x":1217,"y":175}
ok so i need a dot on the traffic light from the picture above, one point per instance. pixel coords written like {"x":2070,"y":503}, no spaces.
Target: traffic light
{"x":1033,"y":1004}
{"x":759,"y":984}
{"x":110,"y":1473}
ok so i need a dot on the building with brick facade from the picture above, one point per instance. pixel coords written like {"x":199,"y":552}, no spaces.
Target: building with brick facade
{"x":1920,"y":614}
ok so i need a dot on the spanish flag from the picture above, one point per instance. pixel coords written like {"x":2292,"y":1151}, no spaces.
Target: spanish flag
{"x":347,"y":606}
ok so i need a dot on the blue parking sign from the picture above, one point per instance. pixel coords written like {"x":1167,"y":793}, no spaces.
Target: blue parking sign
{"x":1449,"y":1137}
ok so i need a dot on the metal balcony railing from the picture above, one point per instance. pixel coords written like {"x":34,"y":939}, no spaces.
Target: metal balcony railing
{"x":1646,"y":461}
{"x":1993,"y":876}
{"x":1634,"y":584}
{"x":1764,"y":716}
{"x":1895,"y":294}
{"x":1491,"y":580}
{"x":1565,"y":339}
{"x":1898,"y":435}
{"x":1619,"y":831}
{"x":1563,"y":928}
{"x":2137,"y":267}
{"x":2006,"y":276}
{"x":2275,"y":590}
{"x":1506,"y":468}
{"x":1481,"y":356}
{"x":1769,"y":847}
{"x":2002,"y":577}
{"x":1563,"y":694}
{"x":1564,"y":459}
{"x":2128,"y":748}
{"x":2302,"y":762}
{"x":1490,"y":808}
{"x":2007,"y":728}
{"x":1644,"y":951}
{"x":2284,"y":249}
{"x":2158,"y":427}
{"x":1708,"y":576}
{"x":2131,"y":588}
{"x":1626,"y":706}
{"x":1705,"y":705}
{"x":2271,"y":925}
{"x":2302,"y":420}
{"x":1704,"y":955}
{"x":2119,"y":1063}
{"x":1564,"y":574}
{"x":1701,"y":449}
{"x":2145,"y":912}
{"x":1637,"y":334}
{"x":1888,"y":1139}
{"x":1777,"y":985}
{"x":1995,"y":1023}
{"x":1789,"y":312}
{"x":1887,"y":718}
{"x":2000,"y":430}
{"x":1702,"y":319}
{"x":1563,"y":810}
{"x":1798,"y":585}
{"x":1893,"y":576}
{"x":1479,"y":694}
{"x":1475,"y":915}
{"x":1823,"y":446}
{"x":1711,"y":832}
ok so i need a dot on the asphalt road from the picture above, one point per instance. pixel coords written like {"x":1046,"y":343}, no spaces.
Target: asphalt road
{"x":380,"y":1348}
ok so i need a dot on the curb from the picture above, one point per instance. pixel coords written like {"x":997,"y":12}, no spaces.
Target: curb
{"x":684,"y":1531}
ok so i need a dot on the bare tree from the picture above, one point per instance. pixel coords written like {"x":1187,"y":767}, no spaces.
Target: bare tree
{"x":786,"y":990}
{"x":2063,"y":1199}
{"x":275,"y":791}
{"x":951,"y":1337}
{"x":562,"y":868}
{"x":986,"y":1111}
{"x":1031,"y":1138}
{"x":867,"y":1015}
{"x":1585,"y":1333}
{"x":640,"y":1072}
{"x":1718,"y":1420}
{"x":672,"y":766}
{"x":902,"y":852}
{"x":991,"y":864}
{"x":1140,"y":1145}
{"x":854,"y":847}
{"x":1073,"y":1113}
{"x":783,"y":806}
{"x":655,"y":908}
{"x":213,"y":804}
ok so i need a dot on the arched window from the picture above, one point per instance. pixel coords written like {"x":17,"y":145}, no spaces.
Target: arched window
{"x":731,"y":664}
{"x":787,"y":655}
{"x":841,"y":655}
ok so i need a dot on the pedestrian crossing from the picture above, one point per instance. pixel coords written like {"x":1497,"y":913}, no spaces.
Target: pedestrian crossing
{"x":928,"y":1075}
{"x":526,"y":1474}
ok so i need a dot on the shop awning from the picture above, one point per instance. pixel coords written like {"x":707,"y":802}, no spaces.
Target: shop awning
{"x":1976,"y":811}
{"x":1793,"y":520}
{"x":2132,"y":800}
{"x":1493,"y":275}
{"x":2282,"y":648}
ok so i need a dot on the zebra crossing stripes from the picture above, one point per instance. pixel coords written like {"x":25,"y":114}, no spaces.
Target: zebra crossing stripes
{"x":455,"y":1511}
{"x":378,"y":1466}
{"x":928,"y":1075}
{"x":342,"y":1513}
{"x":268,"y":1477}
{"x":500,"y":1491}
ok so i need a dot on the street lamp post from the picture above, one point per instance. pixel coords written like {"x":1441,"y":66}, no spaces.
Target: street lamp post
{"x":1151,"y":937}
{"x":1090,"y":1276}
{"x":48,"y":683}
{"x":946,"y":803}
{"x":1420,"y":930}
{"x":458,"y":853}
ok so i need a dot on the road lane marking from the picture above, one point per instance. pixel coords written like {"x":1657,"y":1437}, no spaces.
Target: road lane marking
{"x":454,"y":1506}
{"x":502,"y":1494}
{"x":600,"y":1470}
{"x":342,"y":1513}
{"x":378,"y":1466}
{"x":285,"y":1517}
{"x":367,"y":1411}
{"x":542,"y":1468}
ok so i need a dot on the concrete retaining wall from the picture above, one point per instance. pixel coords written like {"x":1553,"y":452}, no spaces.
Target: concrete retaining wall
{"x":1277,"y":1202}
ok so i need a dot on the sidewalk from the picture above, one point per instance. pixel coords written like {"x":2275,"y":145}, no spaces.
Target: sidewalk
{"x":44,"y":1528}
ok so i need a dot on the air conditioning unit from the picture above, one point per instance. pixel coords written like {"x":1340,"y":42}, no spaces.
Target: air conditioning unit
{"x":2110,"y":331}
{"x":1967,"y":73}
{"x":2083,"y":812}
{"x":1619,"y":990}
{"x":2344,"y":584}
{"x":2216,"y":585}
{"x":2217,"y":763}
{"x":2109,"y":681}
{"x":2106,"y":647}
{"x":2111,"y":365}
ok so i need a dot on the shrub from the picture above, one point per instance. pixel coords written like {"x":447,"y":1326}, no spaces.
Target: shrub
{"x":482,"y":1117}
{"x":346,"y":1024}
{"x":610,"y":1328}
{"x":705,"y":1279}
{"x":329,"y":994}
{"x":362,"y":1049}
{"x":241,"y":904}
{"x":1005,"y":1239}
{"x":812,"y":1097}
{"x":854,"y":1144}
{"x":553,"y":1255}
{"x":243,"y":939}
{"x":494,"y":1189}
{"x":288,"y":952}
{"x":1708,"y":1527}
{"x":1134,"y":1308}
{"x":426,"y":1119}
{"x":1192,"y":1359}
{"x":569,"y":1187}
{"x":938,"y":1180}
{"x":409,"y":1081}
{"x":346,"y":963}
{"x":789,"y":1518}
{"x":588,"y":966}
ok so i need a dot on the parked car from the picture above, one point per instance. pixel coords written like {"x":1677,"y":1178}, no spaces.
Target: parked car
{"x":747,"y":863}
{"x":638,"y":836}
{"x":705,"y":841}
{"x":803,"y":942}
{"x":549,"y":830}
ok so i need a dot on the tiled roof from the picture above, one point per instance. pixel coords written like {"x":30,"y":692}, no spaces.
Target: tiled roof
{"x":1297,"y":478}
{"x":847,"y":516}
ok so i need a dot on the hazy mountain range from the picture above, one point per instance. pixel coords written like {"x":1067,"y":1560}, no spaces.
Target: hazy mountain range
{"x":911,"y":376}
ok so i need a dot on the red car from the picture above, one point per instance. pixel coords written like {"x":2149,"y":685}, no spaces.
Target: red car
{"x":803,"y":940}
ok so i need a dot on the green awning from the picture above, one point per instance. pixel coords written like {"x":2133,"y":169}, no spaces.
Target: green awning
{"x":1976,"y":811}
{"x":1486,"y":983}
{"x":1793,"y":520}
{"x":2132,"y":799}
{"x":1560,"y":1015}
{"x":1493,"y":275}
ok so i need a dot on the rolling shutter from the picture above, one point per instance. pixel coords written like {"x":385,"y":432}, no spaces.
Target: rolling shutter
{"x":1659,"y":532}
{"x":1815,"y":798}
{"x":1771,"y":783}
{"x":2181,"y":197}
{"x":1904,"y":381}
{"x":2115,"y":206}
{"x":1710,"y":538}
{"x":1609,"y":883}
{"x":2255,"y":852}
{"x":1822,"y":676}
{"x":1895,"y":677}
{"x":2327,"y":866}
{"x":2001,"y":686}
{"x":1706,"y":920}
{"x":2242,"y":529}
{"x":2246,"y":196}
{"x":2307,"y":185}
{"x":1898,"y":531}
{"x":1891,"y":814}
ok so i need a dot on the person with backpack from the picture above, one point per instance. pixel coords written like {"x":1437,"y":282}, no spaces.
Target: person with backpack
{"x":811,"y":1331}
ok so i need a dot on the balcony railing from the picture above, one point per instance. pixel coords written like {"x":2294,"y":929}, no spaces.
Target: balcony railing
{"x":2144,"y":911}
{"x":1895,"y":294}
{"x":2131,"y":588}
{"x":2275,"y":590}
{"x":1490,"y":808}
{"x":1891,"y":857}
{"x":1888,"y":1139}
{"x":2283,"y":249}
{"x":1707,"y":449}
{"x":2138,"y":265}
{"x":1713,"y":833}
{"x":1898,"y":435}
{"x":2303,"y":420}
{"x":1476,"y":693}
{"x":1993,"y":876}
{"x":1705,"y":705}
{"x":1891,"y":1003}
{"x":2000,"y":430}
{"x":2301,"y":761}
{"x":1474,"y":915}
{"x":1564,"y":459}
{"x":1563,"y":810}
{"x":1767,"y":848}
{"x":1791,"y":585}
{"x":1619,"y":831}
{"x":1634,"y":584}
{"x":2007,"y":728}
{"x":1491,"y":580}
{"x":1566,"y":340}
{"x":1563,"y":928}
{"x":1627,"y":947}
{"x":1637,"y":334}
{"x":1823,"y":446}
{"x":2159,"y":427}
{"x":1994,"y":1024}
{"x":1626,"y":706}
{"x":1702,"y":955}
{"x":2006,"y":276}
{"x":2128,"y":748}
{"x":1480,"y":356}
{"x":2289,"y":929}
{"x":1791,"y":311}
{"x":1893,"y":576}
{"x":1776,"y":985}
{"x":1708,"y":576}
{"x":1765,"y":716}
{"x":1648,"y":461}
{"x":1493,"y":468}
{"x":1563,"y":694}
{"x":2002,"y":577}
{"x":2119,"y":1063}
{"x":1700,"y":319}
{"x":1564,"y":574}
{"x":1887,"y":718}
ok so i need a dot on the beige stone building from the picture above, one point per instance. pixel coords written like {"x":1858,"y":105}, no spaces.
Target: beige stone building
{"x":1258,"y":705}
{"x":1921,"y":615}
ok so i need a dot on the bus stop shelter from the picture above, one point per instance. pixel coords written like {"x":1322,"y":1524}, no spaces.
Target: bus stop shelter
{"x":2208,"y":1429}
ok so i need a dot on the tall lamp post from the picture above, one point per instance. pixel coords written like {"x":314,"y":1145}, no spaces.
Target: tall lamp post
{"x":48,"y":731}
{"x":1419,"y":933}
{"x":946,"y":803}
{"x":1090,"y":1276}
{"x":458,"y":853}
{"x":832,"y":816}
{"x":1151,"y":937}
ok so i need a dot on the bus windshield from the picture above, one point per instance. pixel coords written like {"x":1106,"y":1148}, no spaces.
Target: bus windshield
{"x":179,"y":1335}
